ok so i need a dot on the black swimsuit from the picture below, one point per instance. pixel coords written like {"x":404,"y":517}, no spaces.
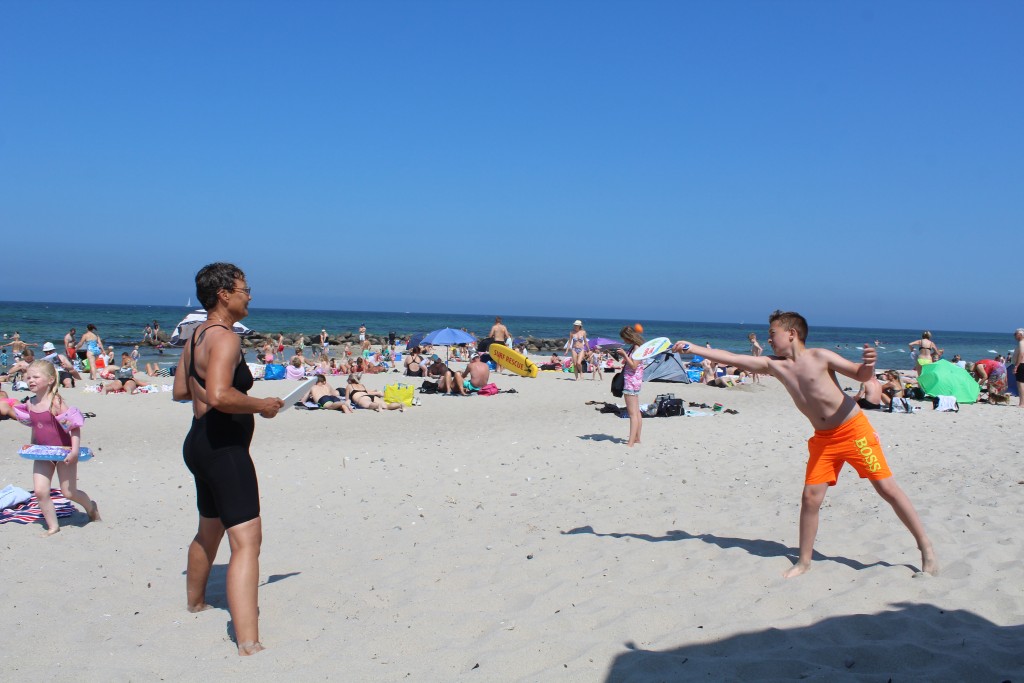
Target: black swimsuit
{"x":216,"y":451}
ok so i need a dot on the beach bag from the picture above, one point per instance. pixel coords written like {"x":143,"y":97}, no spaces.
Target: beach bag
{"x":900,"y":405}
{"x":488,"y":389}
{"x":428,"y":387}
{"x":256,"y":370}
{"x":618,"y":384}
{"x":273,"y":371}
{"x":399,"y":393}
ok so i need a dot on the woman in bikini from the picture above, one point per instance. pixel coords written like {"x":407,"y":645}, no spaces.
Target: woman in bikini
{"x":926,"y":349}
{"x":366,"y":399}
{"x":577,"y":347}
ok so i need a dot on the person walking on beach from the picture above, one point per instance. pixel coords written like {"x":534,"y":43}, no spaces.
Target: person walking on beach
{"x":755,"y":350}
{"x":364,"y":343}
{"x":842,"y":433}
{"x":1018,"y":365}
{"x":54,"y":423}
{"x":324,"y":342}
{"x":500,"y":334}
{"x":69,"y":343}
{"x":633,"y":379}
{"x":212,"y":373}
{"x":93,"y":348}
{"x":578,"y":346}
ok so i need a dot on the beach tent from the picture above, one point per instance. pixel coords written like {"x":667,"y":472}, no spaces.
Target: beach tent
{"x":193,"y":320}
{"x":943,"y":378}
{"x":666,"y":367}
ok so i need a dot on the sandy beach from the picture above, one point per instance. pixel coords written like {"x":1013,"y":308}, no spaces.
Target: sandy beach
{"x":516,"y":538}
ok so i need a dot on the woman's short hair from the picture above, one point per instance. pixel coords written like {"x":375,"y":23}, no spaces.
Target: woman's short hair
{"x":214,"y":277}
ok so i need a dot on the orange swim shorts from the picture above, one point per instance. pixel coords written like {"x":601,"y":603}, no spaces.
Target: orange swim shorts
{"x":855,"y":442}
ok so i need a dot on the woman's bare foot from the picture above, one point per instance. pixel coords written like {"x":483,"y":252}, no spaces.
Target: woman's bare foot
{"x":94,"y":513}
{"x":201,"y":607}
{"x":50,"y":532}
{"x":796,"y":570}
{"x":246,"y":649}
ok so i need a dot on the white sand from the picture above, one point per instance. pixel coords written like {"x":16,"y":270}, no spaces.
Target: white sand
{"x":397,"y":547}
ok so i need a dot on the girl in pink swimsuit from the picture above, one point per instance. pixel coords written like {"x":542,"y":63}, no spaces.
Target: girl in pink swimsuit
{"x":53,"y":423}
{"x":633,"y":377}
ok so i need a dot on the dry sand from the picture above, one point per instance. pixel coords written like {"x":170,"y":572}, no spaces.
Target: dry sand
{"x":515,"y":537}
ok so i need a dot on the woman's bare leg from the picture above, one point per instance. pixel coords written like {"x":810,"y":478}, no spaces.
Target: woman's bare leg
{"x":243,"y":582}
{"x":201,"y":554}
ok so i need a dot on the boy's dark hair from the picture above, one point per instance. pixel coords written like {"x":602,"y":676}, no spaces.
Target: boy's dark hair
{"x":213,"y":278}
{"x":790,"y":321}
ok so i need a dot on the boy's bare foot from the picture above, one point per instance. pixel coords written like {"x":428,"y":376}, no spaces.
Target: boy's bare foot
{"x":50,"y":532}
{"x":201,"y":607}
{"x":796,"y":570}
{"x":929,"y":565}
{"x":250,"y":648}
{"x":94,"y":513}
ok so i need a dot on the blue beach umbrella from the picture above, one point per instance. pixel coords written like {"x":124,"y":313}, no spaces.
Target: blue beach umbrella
{"x":447,"y":336}
{"x":415,"y":340}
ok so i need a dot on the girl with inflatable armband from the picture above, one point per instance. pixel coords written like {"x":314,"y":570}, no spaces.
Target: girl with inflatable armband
{"x":53,"y":423}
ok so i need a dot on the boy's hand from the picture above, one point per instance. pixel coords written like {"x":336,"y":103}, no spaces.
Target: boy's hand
{"x":681,"y":347}
{"x":870,"y":354}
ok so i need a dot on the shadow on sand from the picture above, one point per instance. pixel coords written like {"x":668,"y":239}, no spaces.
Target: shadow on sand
{"x":602,"y":437}
{"x":918,"y":642}
{"x":759,"y":547}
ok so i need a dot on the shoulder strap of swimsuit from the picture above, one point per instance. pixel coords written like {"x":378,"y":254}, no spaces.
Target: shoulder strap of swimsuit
{"x":196,"y":338}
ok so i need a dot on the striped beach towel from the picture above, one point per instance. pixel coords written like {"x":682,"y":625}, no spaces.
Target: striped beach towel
{"x":29,"y":512}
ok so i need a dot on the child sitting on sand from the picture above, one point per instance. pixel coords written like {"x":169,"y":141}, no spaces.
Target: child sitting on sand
{"x":842,"y":433}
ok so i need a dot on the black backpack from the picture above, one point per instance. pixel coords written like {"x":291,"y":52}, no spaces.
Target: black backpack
{"x":618,"y":384}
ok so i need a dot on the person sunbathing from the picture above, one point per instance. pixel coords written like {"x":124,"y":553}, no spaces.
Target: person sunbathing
{"x":124,"y":378}
{"x":367,"y":399}
{"x":327,"y":397}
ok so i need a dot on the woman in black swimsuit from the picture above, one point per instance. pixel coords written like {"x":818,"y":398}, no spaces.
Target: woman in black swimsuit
{"x":414,"y":363}
{"x":214,"y":376}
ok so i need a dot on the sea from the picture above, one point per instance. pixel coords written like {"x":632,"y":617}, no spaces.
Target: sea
{"x":121,"y":326}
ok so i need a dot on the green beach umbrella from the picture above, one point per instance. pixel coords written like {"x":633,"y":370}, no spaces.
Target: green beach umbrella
{"x":943,"y":378}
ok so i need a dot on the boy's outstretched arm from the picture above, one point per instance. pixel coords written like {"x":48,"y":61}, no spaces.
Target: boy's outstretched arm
{"x":758,"y":364}
{"x":862,"y":371}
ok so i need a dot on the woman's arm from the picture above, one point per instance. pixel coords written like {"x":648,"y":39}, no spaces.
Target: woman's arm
{"x":181,"y":390}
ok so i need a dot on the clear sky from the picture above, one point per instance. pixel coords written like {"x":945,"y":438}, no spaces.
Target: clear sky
{"x":860,"y":162}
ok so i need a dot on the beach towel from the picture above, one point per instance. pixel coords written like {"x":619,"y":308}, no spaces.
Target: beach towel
{"x":946,"y":404}
{"x":12,"y":496}
{"x":29,"y":512}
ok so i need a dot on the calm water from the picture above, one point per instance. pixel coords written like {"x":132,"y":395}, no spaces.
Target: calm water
{"x":121,"y":326}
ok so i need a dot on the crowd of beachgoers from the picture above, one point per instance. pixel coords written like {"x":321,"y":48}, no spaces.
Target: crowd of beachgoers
{"x":78,"y":358}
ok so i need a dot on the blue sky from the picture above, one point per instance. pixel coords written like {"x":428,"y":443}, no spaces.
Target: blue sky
{"x":854,"y":161}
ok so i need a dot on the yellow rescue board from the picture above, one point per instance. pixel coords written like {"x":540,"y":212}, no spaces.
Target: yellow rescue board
{"x":511,"y":359}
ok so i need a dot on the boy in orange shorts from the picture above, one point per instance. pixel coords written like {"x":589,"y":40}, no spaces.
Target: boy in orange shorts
{"x":842,"y":433}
